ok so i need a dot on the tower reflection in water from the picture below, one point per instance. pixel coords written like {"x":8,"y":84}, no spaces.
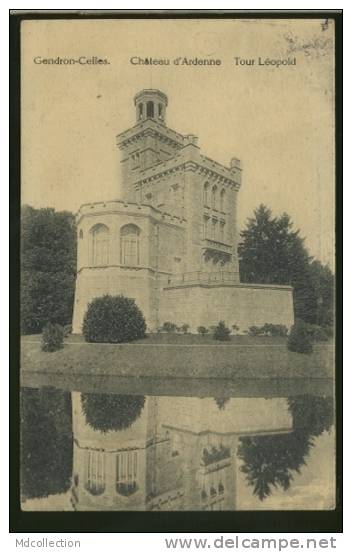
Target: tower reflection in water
{"x":180,"y":453}
{"x":130,"y":452}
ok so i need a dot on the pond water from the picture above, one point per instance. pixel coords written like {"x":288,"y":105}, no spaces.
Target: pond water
{"x":90,"y":447}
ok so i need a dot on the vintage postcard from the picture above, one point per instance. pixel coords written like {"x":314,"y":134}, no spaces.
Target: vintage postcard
{"x":178,"y":264}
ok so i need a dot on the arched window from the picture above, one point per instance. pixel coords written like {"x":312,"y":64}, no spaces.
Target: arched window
{"x":213,"y":197}
{"x":160,"y":111}
{"x":222,"y":200}
{"x":100,"y":245}
{"x":81,"y":234}
{"x":150,"y":109}
{"x":140,"y":111}
{"x":95,"y":472}
{"x":206,"y":193}
{"x":130,"y":245}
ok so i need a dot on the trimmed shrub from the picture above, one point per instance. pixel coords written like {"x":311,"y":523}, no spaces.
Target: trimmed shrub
{"x":113,"y":319}
{"x":52,"y":338}
{"x":222,"y":332}
{"x":202,"y":330}
{"x":275,"y":330}
{"x":221,"y":402}
{"x":169,"y":327}
{"x":279,"y":330}
{"x":300,"y":340}
{"x":272,"y":330}
{"x":184,"y":328}
{"x":235,"y":328}
{"x":254,"y":331}
{"x":107,"y":412}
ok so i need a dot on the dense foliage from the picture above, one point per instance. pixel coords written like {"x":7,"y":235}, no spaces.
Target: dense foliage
{"x":52,"y":337}
{"x":271,"y":252}
{"x":271,"y":461}
{"x":221,"y":402}
{"x":107,"y":412}
{"x":169,"y":327}
{"x":48,"y":268}
{"x":272,"y":330}
{"x":222,"y":332}
{"x":113,"y":319}
{"x":202,"y":330}
{"x":46,"y":442}
{"x":300,"y":339}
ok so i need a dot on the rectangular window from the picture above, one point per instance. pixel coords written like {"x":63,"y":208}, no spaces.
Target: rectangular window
{"x":95,"y":471}
{"x":213,"y":229}
{"x":222,"y":231}
{"x":123,"y":468}
{"x":118,"y":468}
{"x":129,"y":465}
{"x":205,"y":228}
{"x":130,"y":251}
{"x":134,"y":464}
{"x":101,"y":253}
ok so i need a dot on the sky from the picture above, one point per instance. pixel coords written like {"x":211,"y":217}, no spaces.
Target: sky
{"x":278,"y":120}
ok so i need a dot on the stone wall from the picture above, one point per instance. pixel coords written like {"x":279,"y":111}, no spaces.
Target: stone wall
{"x":98,"y":281}
{"x":241,"y":304}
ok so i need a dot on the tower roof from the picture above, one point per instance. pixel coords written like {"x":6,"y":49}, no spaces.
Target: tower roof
{"x":150,"y":93}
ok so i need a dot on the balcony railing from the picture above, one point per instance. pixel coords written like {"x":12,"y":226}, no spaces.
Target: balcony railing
{"x":210,"y":456}
{"x":217,"y":246}
{"x":200,"y":277}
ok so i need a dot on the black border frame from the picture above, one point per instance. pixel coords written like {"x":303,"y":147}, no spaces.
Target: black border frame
{"x":160,"y":522}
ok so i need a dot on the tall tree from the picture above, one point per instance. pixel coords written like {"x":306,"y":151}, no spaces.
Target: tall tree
{"x":271,"y":252}
{"x":323,"y":284}
{"x":48,"y":267}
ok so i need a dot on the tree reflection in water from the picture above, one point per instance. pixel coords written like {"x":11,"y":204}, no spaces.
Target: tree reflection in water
{"x":46,"y":439}
{"x":108,"y":412}
{"x":270,"y":461}
{"x":221,"y":402}
{"x":46,"y":442}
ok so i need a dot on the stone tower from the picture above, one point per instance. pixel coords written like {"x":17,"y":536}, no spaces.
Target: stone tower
{"x":170,"y":242}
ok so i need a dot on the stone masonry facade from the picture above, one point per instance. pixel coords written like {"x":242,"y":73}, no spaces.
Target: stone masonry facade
{"x":170,"y":242}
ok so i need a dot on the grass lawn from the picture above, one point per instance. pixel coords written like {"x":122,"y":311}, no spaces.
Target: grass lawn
{"x":182,"y":339}
{"x":180,"y":356}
